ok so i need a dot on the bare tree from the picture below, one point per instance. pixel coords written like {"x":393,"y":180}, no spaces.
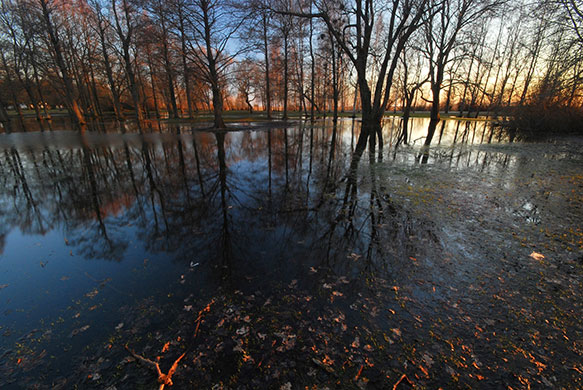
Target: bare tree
{"x":442,"y":35}
{"x":370,"y":31}
{"x":55,"y":41}
{"x":103,"y":30}
{"x":213,"y":24}
{"x":125,"y":26}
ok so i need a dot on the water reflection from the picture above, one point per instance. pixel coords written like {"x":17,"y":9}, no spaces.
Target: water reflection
{"x":168,"y":186}
{"x":139,"y":210}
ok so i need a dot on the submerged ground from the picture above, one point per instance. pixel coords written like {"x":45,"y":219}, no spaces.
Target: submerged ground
{"x":260,"y":258}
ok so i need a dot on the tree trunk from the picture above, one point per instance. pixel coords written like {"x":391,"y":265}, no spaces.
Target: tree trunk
{"x":214,"y":77}
{"x":267,"y":80}
{"x":313,"y":69}
{"x":285,"y":75}
{"x":152,"y":83}
{"x":4,"y":119}
{"x":109,"y":72}
{"x":434,"y":117}
{"x":168,"y":67}
{"x":71,"y":101}
{"x":335,"y":92}
{"x":186,"y":74}
{"x":125,"y":39}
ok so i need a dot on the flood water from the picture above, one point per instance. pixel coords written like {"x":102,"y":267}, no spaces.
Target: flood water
{"x":271,"y":264}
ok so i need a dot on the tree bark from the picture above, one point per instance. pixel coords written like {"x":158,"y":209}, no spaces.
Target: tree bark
{"x":70,"y":98}
{"x":219,"y":123}
{"x":267,"y":79}
{"x":185,"y":70}
{"x":108,"y":69}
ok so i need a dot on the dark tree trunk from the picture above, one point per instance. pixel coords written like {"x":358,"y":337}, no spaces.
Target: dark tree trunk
{"x":219,"y":123}
{"x":168,"y":67}
{"x":126,"y":39}
{"x":108,"y":71}
{"x":185,"y":70}
{"x":70,"y":98}
{"x":434,"y":117}
{"x":4,"y":119}
{"x":267,"y":80}
{"x":285,"y":74}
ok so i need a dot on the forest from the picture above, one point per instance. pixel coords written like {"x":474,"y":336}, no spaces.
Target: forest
{"x":128,"y":59}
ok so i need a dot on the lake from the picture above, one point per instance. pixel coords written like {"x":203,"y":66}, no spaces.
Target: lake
{"x":267,"y":261}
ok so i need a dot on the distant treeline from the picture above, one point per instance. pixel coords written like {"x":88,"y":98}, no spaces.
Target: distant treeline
{"x":158,"y":58}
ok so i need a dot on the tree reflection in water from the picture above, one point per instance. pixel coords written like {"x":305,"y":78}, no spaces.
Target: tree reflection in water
{"x":247,"y":211}
{"x":286,"y":180}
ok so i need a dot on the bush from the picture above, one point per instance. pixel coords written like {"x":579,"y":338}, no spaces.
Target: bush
{"x":538,"y":121}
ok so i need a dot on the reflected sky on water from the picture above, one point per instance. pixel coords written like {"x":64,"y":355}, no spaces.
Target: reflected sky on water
{"x":94,"y":222}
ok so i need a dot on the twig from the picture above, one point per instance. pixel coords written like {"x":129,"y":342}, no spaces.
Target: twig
{"x":403,"y":378}
{"x":166,"y":379}
{"x":199,"y":317}
{"x":163,"y":379}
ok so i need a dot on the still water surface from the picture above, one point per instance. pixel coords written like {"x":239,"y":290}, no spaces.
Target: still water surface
{"x":435,"y":244}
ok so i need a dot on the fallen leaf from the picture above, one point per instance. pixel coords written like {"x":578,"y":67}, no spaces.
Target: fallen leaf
{"x":79,"y":330}
{"x":286,"y":386}
{"x":242,"y":330}
{"x":537,"y":256}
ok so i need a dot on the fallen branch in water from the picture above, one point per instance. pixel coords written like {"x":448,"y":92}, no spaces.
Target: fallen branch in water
{"x":163,"y":379}
{"x":166,"y":379}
